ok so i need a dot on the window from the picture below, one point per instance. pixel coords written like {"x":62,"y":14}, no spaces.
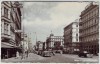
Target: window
{"x":76,"y":34}
{"x":77,"y":25}
{"x":5,"y":28}
{"x":76,"y":39}
{"x":5,"y":12}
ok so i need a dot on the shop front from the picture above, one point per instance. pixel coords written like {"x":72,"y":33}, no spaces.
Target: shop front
{"x":7,"y":50}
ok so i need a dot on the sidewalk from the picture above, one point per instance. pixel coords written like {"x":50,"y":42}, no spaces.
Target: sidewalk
{"x":30,"y":57}
{"x":11,"y":59}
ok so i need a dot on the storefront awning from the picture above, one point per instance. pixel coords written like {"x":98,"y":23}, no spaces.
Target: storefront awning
{"x":6,"y":45}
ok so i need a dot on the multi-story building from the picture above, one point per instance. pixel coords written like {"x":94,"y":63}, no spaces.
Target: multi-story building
{"x":10,"y":21}
{"x":89,"y":28}
{"x":52,"y":41}
{"x":40,"y":46}
{"x":71,"y":37}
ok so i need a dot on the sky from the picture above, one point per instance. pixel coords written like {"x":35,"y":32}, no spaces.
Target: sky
{"x":40,"y":18}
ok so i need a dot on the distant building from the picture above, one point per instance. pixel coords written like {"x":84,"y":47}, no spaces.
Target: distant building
{"x":40,"y":46}
{"x":10,"y":21}
{"x":52,"y":41}
{"x":30,"y":45}
{"x":25,"y":42}
{"x":71,"y":37}
{"x":89,"y":28}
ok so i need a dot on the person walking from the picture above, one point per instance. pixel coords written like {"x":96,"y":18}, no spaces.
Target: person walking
{"x":52,"y":51}
{"x":17,"y":55}
{"x":27,"y":53}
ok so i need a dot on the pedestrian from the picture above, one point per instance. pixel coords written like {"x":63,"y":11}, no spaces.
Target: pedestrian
{"x":17,"y":54}
{"x":21,"y":55}
{"x":27,"y":53}
{"x":52,"y":52}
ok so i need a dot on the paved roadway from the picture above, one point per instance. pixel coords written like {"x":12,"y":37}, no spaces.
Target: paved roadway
{"x":58,"y":58}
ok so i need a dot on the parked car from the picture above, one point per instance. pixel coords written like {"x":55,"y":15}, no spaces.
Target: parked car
{"x":64,"y":51}
{"x":58,"y":51}
{"x":85,"y":54}
{"x":40,"y":52}
{"x":46,"y":54}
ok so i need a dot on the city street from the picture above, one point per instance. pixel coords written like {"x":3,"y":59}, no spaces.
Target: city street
{"x":63,"y":31}
{"x":58,"y":58}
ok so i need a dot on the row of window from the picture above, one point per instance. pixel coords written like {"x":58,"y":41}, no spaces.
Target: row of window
{"x":90,"y":38}
{"x":75,"y":40}
{"x":93,"y":46}
{"x":75,"y":25}
{"x":75,"y":30}
{"x":75,"y":34}
{"x":56,"y":39}
{"x":90,"y":23}
{"x":68,"y":40}
{"x":68,"y":36}
{"x":90,"y":14}
{"x":67,"y":31}
{"x":90,"y":30}
{"x":71,"y":35}
{"x":5,"y":12}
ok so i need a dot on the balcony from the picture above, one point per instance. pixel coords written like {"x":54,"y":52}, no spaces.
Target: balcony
{"x":7,"y":3}
{"x":5,"y":18}
{"x":12,"y":41}
{"x":94,"y":32}
{"x":5,"y":36}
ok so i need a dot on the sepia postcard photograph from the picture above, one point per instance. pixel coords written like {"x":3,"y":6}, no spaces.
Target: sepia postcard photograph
{"x":49,"y":31}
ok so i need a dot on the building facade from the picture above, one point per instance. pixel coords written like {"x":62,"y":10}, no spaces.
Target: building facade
{"x":10,"y":21}
{"x":89,"y":28}
{"x":71,"y":37}
{"x":52,"y":41}
{"x":40,"y":46}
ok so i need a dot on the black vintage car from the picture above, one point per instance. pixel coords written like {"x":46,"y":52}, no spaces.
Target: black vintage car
{"x":85,"y":54}
{"x":46,"y":54}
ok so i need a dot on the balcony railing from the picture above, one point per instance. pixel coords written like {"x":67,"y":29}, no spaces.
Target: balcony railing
{"x":5,"y":36}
